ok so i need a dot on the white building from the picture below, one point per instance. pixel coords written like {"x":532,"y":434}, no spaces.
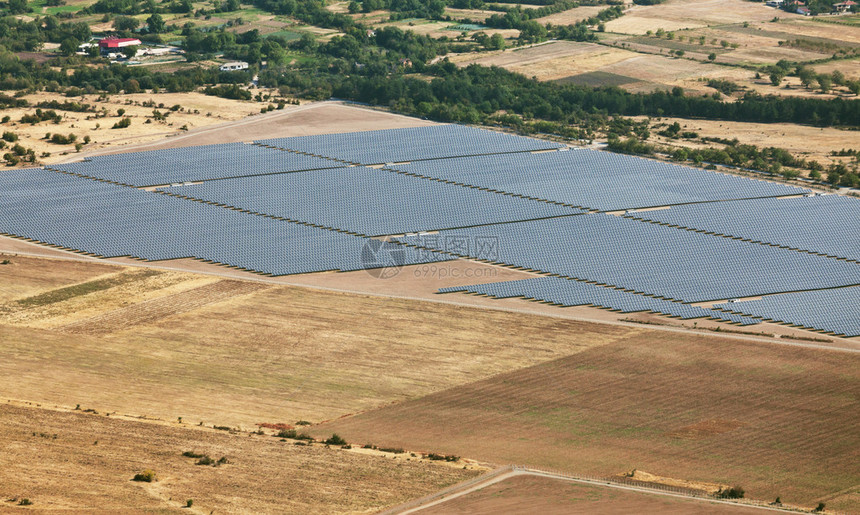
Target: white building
{"x":234,"y":66}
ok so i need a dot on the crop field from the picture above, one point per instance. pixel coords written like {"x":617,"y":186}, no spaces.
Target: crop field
{"x":268,"y":354}
{"x":527,"y":494}
{"x":778,"y":421}
{"x":75,"y":461}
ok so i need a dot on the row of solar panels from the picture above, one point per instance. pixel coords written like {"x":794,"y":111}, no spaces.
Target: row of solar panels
{"x":645,"y":258}
{"x":836,"y":311}
{"x":566,"y":292}
{"x":110,"y":221}
{"x":825,"y":224}
{"x":369,"y":202}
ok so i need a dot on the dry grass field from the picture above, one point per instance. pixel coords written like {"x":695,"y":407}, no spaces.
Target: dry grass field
{"x":169,"y":344}
{"x":535,"y":494}
{"x":803,"y":141}
{"x":683,"y":14}
{"x":199,"y":111}
{"x":571,"y":16}
{"x":76,"y":462}
{"x":777,"y":421}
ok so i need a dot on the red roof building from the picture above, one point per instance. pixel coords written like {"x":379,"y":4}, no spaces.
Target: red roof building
{"x":115,"y":43}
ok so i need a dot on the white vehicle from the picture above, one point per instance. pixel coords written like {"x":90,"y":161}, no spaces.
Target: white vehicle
{"x":234,"y":66}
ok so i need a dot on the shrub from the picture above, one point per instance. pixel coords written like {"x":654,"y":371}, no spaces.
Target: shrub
{"x":395,"y":450}
{"x":205,"y":460}
{"x":335,"y":440}
{"x":5,"y":262}
{"x":189,"y":503}
{"x":734,"y":492}
{"x":147,"y":476}
{"x":9,"y":136}
{"x":442,"y":457}
{"x":819,"y":508}
{"x":287,"y":433}
{"x":122,"y":124}
{"x":303,"y":423}
{"x":25,"y":502}
{"x":192,"y":454}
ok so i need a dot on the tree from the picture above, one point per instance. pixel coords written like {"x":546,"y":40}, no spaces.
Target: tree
{"x":155,"y":24}
{"x":129,"y":51}
{"x":776,"y":77}
{"x":125,"y":23}
{"x":712,"y":56}
{"x":838,"y":78}
{"x":824,"y":82}
{"x":854,"y":87}
{"x":807,"y":76}
{"x":69,"y":46}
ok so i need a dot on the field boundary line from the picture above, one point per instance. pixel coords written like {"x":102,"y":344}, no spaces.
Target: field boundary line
{"x":453,"y":491}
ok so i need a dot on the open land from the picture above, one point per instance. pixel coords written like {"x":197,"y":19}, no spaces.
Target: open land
{"x":76,"y":461}
{"x":531,"y":493}
{"x":777,"y":421}
{"x":165,"y":344}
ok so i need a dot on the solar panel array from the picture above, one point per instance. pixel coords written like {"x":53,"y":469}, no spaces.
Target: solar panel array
{"x":597,"y":180}
{"x":836,"y":311}
{"x":189,"y":164}
{"x":368,"y":201}
{"x":566,"y":292}
{"x":110,"y":221}
{"x":820,"y":224}
{"x":410,"y":144}
{"x":648,"y":258}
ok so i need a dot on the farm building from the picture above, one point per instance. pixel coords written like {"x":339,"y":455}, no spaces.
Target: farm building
{"x":113,"y":44}
{"x":846,"y":6}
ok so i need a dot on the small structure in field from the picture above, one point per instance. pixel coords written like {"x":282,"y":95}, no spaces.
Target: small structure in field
{"x":234,"y":66}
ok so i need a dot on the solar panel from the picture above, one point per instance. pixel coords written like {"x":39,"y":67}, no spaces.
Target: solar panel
{"x":834,"y":311}
{"x":593,"y":179}
{"x":409,"y":144}
{"x":110,"y":221}
{"x":368,"y":201}
{"x":647,"y":258}
{"x":566,"y":292}
{"x":820,"y":224}
{"x":190,"y":164}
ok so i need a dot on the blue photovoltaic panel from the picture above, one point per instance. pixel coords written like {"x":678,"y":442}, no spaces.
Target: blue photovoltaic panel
{"x":566,"y":292}
{"x":189,"y":164}
{"x":822,"y":224}
{"x":109,"y":220}
{"x":646,"y":258}
{"x":593,"y":179}
{"x":836,"y":311}
{"x":410,"y":144}
{"x":368,"y":201}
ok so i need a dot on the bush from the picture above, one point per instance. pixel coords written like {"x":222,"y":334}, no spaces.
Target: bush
{"x":335,"y":440}
{"x":819,"y":508}
{"x":122,"y":124}
{"x":205,"y":460}
{"x":734,"y":492}
{"x":147,"y":476}
{"x":189,"y":503}
{"x":9,"y":136}
{"x":441,"y":457}
{"x":192,"y":454}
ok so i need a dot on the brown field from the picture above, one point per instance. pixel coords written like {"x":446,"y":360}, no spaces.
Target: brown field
{"x":305,"y":120}
{"x":775,"y":420}
{"x":545,"y":495}
{"x":230,"y":353}
{"x":75,"y":461}
{"x":572,"y":16}
{"x":683,"y":14}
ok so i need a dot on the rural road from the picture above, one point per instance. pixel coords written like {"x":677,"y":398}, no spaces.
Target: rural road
{"x":505,"y":473}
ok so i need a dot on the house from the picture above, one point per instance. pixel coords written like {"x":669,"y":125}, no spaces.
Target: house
{"x":108,"y":45}
{"x":804,"y":11}
{"x":774,"y":3}
{"x":844,"y":7}
{"x":234,"y":66}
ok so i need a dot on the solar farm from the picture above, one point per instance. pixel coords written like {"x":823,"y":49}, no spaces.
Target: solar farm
{"x":597,"y":229}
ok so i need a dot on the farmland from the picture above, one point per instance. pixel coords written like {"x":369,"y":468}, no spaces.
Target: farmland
{"x":284,"y":353}
{"x":76,"y":461}
{"x":778,"y":421}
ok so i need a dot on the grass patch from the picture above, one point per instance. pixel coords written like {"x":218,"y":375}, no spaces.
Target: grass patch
{"x":289,"y":35}
{"x":78,"y":290}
